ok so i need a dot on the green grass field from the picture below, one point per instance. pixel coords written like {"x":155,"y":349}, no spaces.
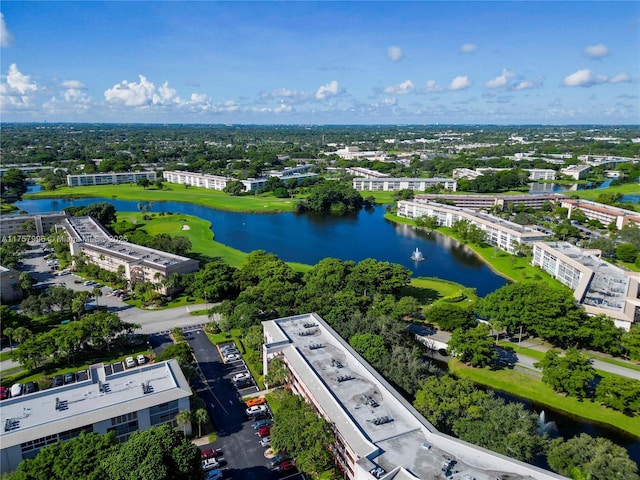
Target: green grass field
{"x":528,"y":386}
{"x":429,"y":290}
{"x":176,"y":193}
{"x":624,"y":189}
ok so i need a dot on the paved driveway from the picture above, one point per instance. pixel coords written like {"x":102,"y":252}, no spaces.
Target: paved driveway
{"x":236,"y":437}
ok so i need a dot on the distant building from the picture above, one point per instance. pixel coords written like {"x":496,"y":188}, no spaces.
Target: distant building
{"x":90,"y":240}
{"x":125,"y":402}
{"x":366,"y":172}
{"x":378,"y":434}
{"x":535,"y":174}
{"x":353,"y":153}
{"x":202,"y":180}
{"x":89,"y":179}
{"x":486,"y":202}
{"x":390,"y":184}
{"x":601,"y":288}
{"x":606,"y":214}
{"x":10,"y":290}
{"x":577,"y":172}
{"x":38,"y":224}
{"x":501,"y":233}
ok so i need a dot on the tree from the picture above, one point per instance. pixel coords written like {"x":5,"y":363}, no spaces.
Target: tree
{"x":627,"y":252}
{"x":26,"y":282}
{"x":449,"y":316}
{"x":144,"y":182}
{"x":631,"y":341}
{"x":332,"y":197}
{"x":597,"y":458}
{"x":160,"y":453}
{"x":103,"y":212}
{"x":201,"y":416}
{"x":97,"y":293}
{"x":473,"y":346}
{"x":14,"y":182}
{"x":277,"y":373}
{"x":571,"y":374}
{"x":619,"y":393}
{"x":371,"y":347}
{"x":234,"y":188}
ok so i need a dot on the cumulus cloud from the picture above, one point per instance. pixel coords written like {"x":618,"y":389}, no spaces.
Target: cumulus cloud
{"x":501,"y":80}
{"x":459,"y":83}
{"x":144,"y":93}
{"x":18,"y":89}
{"x":583,"y":78}
{"x":73,"y":84}
{"x":6,"y":38}
{"x":394,"y":53}
{"x":328,"y":90}
{"x":620,"y":78}
{"x":401,"y":89}
{"x":596,"y":51}
{"x":468,"y":48}
{"x":432,"y":86}
{"x":524,"y":85}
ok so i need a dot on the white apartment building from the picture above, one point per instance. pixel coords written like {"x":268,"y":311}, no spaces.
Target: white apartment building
{"x":378,"y":434}
{"x":604,"y":213}
{"x":366,"y":172}
{"x":352,"y":152}
{"x":498,"y":232}
{"x":601,"y":288}
{"x":9,"y":285}
{"x":486,"y":202}
{"x":90,"y":240}
{"x":535,"y":174}
{"x":125,"y":402}
{"x":39,"y":224}
{"x":87,"y":179}
{"x":202,"y":180}
{"x":578,"y":172}
{"x":390,"y":184}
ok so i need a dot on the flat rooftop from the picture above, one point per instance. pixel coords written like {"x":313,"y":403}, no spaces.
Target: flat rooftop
{"x":83,"y":403}
{"x":90,"y":232}
{"x":372,"y":416}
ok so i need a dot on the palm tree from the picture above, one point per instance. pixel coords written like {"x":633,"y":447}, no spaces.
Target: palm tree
{"x":184,"y":418}
{"x":201,"y":416}
{"x":97,"y":293}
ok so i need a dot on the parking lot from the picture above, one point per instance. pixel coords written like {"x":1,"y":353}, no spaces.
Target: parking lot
{"x":244,"y":457}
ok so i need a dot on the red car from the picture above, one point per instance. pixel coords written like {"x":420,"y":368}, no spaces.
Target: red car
{"x":211,"y":453}
{"x":286,"y":466}
{"x":4,"y":393}
{"x":264,"y":432}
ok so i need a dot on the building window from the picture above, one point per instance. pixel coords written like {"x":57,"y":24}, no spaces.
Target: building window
{"x":164,"y":413}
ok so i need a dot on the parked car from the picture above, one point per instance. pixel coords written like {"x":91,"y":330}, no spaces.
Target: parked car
{"x":58,"y":381}
{"x":210,"y":453}
{"x":287,"y":466}
{"x":69,"y":377}
{"x":210,"y":464}
{"x":243,"y":383}
{"x":30,"y":387}
{"x":16,"y":390}
{"x":276,"y":460}
{"x":266,"y":422}
{"x":255,"y":401}
{"x":141,"y":359}
{"x":256,"y":410}
{"x":264,"y":432}
{"x":230,"y":357}
{"x":265,"y":442}
{"x":4,"y":393}
{"x":130,"y":362}
{"x":239,"y":377}
{"x":214,"y":475}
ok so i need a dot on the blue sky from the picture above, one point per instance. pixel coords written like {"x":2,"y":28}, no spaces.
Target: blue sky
{"x":321,"y":62}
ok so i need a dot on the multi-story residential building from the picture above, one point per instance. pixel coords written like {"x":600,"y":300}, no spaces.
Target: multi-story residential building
{"x":606,"y":214}
{"x":95,"y":245}
{"x":601,"y":288}
{"x":37,"y":225}
{"x":105,"y":401}
{"x":535,"y":174}
{"x":366,"y":172}
{"x":203,"y":180}
{"x":578,"y":172}
{"x":87,"y":179}
{"x":390,"y":184}
{"x":498,"y":232}
{"x":378,"y":434}
{"x":9,"y":285}
{"x":487,"y":202}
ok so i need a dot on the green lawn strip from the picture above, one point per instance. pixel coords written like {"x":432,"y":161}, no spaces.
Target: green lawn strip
{"x":529,"y":352}
{"x":7,"y":208}
{"x":5,"y":356}
{"x":251,"y":358}
{"x":592,"y":194}
{"x":264,"y":203}
{"x":528,"y":386}
{"x":429,"y":290}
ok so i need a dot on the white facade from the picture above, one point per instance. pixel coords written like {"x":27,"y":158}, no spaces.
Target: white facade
{"x":376,"y":430}
{"x":87,"y":179}
{"x":486,"y":202}
{"x":203,"y":180}
{"x":603,"y":213}
{"x":390,"y":184}
{"x":366,"y":172}
{"x":39,"y":224}
{"x":498,"y":232}
{"x":577,"y":172}
{"x":104,"y":402}
{"x":9,"y":285}
{"x":601,"y":288}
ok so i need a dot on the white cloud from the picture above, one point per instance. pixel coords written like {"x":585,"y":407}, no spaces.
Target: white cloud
{"x":583,"y":78}
{"x":432,"y":86}
{"x":468,"y":48}
{"x":328,"y":90}
{"x":74,"y":84}
{"x":394,"y":53}
{"x":18,"y":91}
{"x":283,"y":108}
{"x":501,"y":80}
{"x":6,"y":38}
{"x":524,"y":85}
{"x":460,"y":83}
{"x":132,"y":94}
{"x":19,"y":82}
{"x":620,"y":78}
{"x":389,"y":102}
{"x":596,"y":51}
{"x":402,"y":89}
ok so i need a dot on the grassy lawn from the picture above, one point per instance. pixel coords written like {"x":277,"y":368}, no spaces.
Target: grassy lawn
{"x":429,"y":290}
{"x":266,"y":203}
{"x":7,"y":208}
{"x":527,"y":386}
{"x":624,"y":189}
